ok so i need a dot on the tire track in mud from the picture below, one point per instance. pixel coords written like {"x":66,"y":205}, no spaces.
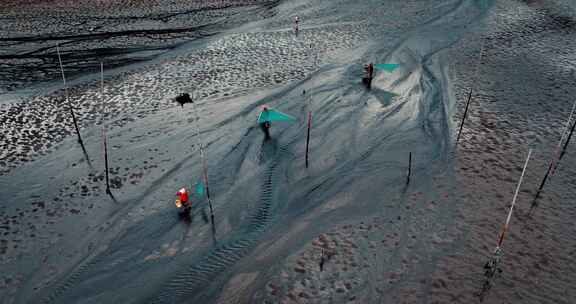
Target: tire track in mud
{"x":88,"y":263}
{"x":201,"y":273}
{"x":120,"y":249}
{"x":73,"y":279}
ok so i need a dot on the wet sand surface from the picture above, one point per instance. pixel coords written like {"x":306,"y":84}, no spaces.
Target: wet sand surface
{"x":379,"y":239}
{"x":116,"y":32}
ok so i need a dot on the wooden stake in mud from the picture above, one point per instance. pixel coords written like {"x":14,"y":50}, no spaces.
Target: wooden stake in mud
{"x":470,"y":92}
{"x":409,"y":168}
{"x":69,"y":103}
{"x":205,"y":171}
{"x":104,"y":130}
{"x":106,"y":163}
{"x":534,"y":202}
{"x":308,"y":136}
{"x":567,"y":141}
{"x":308,"y":132}
{"x":322,"y":259}
{"x":552,"y":167}
{"x":309,"y":112}
{"x":464,"y":116}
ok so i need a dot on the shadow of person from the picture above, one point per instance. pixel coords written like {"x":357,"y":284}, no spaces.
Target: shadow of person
{"x":185,"y":216}
{"x":214,"y":239}
{"x":265,"y":127}
{"x":209,"y":219}
{"x":384,"y":97}
{"x":267,"y":149}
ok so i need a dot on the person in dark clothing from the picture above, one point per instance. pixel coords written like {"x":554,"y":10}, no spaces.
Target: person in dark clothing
{"x":183,"y":98}
{"x":371,"y":70}
{"x":296,"y":21}
{"x":368,"y":75}
{"x":264,"y":121}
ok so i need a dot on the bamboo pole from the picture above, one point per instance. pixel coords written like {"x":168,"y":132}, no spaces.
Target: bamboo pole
{"x":470,"y":91}
{"x":309,"y":97}
{"x":464,"y":116}
{"x":308,"y":136}
{"x":309,"y":127}
{"x":204,"y":165}
{"x":507,"y":223}
{"x":567,"y":142}
{"x":69,"y":103}
{"x":558,"y":154}
{"x":322,"y":259}
{"x":104,"y":136}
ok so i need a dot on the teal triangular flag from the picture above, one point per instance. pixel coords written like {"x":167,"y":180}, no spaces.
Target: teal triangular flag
{"x":388,"y":67}
{"x":273,"y":115}
{"x":264,"y":117}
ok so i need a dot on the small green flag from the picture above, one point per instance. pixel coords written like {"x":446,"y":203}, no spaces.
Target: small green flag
{"x":274,"y":115}
{"x":200,"y":188}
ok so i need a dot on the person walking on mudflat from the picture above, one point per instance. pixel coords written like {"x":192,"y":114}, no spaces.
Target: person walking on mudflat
{"x":183,"y":201}
{"x":267,"y":116}
{"x":264,"y":121}
{"x":368,"y":75}
{"x":296,"y":21}
{"x":183,"y":99}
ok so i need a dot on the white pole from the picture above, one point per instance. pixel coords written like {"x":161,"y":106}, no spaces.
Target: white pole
{"x":514,"y":201}
{"x":62,"y":71}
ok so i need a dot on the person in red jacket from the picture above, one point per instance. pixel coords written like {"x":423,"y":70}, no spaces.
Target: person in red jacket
{"x":184,"y":199}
